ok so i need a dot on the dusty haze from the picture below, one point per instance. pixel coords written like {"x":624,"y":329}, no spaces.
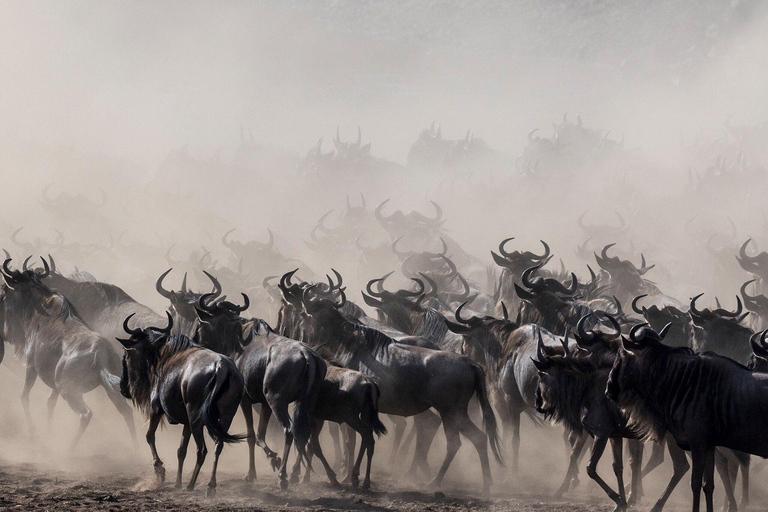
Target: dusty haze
{"x":193,"y":118}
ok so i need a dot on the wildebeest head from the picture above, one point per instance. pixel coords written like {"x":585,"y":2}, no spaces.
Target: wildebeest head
{"x":517,"y":261}
{"x":483,"y":336}
{"x":219,"y":324}
{"x":23,"y":296}
{"x":641,"y":338}
{"x":700,"y":317}
{"x":395,"y":306}
{"x":542,"y":285}
{"x":183,"y":301}
{"x":142,"y":353}
{"x":680,"y":331}
{"x":757,"y":264}
{"x":603,"y":231}
{"x":413,"y":223}
{"x":757,"y":304}
{"x":593,"y":337}
{"x":759,"y":360}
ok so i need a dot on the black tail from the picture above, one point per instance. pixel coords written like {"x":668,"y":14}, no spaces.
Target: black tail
{"x":301,"y":426}
{"x":489,"y":418}
{"x":210,"y":413}
{"x":371,"y":409}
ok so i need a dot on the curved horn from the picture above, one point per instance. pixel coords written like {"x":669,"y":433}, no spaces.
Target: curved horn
{"x":540,"y":353}
{"x":504,"y":311}
{"x":400,"y":254}
{"x":582,"y":332}
{"x":458,"y":315}
{"x":46,"y":269}
{"x":635,"y":329}
{"x":415,"y":293}
{"x":526,"y":277}
{"x":614,"y":323}
{"x":25,"y":263}
{"x":502,"y":251}
{"x":742,"y":252}
{"x":159,"y":285}
{"x":239,"y":309}
{"x":369,"y":286}
{"x":693,"y":305}
{"x":728,"y":314}
{"x":564,"y":343}
{"x":53,"y":264}
{"x":432,"y":285}
{"x":184,"y":283}
{"x":664,"y":331}
{"x":546,"y":251}
{"x":635,"y":308}
{"x":216,"y":284}
{"x":377,"y":212}
{"x":132,"y":332}
{"x":224,"y":240}
{"x":167,"y":329}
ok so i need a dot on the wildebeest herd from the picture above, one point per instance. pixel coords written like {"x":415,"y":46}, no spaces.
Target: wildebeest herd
{"x":610,"y":357}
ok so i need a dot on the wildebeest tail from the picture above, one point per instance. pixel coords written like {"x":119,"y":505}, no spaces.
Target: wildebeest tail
{"x":209,"y":412}
{"x":489,"y":418}
{"x":301,"y":426}
{"x":371,"y":408}
{"x":110,"y":381}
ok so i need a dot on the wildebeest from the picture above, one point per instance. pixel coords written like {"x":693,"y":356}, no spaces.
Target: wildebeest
{"x":58,"y":347}
{"x":572,"y":391}
{"x":680,"y":332}
{"x":702,"y":400}
{"x":411,"y":379}
{"x":171,"y":377}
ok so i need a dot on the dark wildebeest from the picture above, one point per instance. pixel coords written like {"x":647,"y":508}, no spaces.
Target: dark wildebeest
{"x":411,"y":379}
{"x":757,"y":304}
{"x":702,"y":400}
{"x":680,"y":331}
{"x":171,"y":377}
{"x":757,"y":265}
{"x":58,"y":347}
{"x":278,"y":371}
{"x":513,"y":265}
{"x":626,"y":279}
{"x":720,"y":331}
{"x":572,"y":391}
{"x":347,"y":397}
{"x":102,"y":306}
{"x":183,"y":302}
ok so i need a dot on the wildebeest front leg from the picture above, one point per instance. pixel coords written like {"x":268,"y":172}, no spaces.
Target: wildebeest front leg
{"x":635,"y":466}
{"x":426,"y":425}
{"x":576,"y":446}
{"x":202,"y":451}
{"x":698,"y":459}
{"x":618,"y":469}
{"x":211,"y":492}
{"x":453,"y":443}
{"x":154,"y":421}
{"x":656,"y":458}
{"x":52,"y":399}
{"x":77,"y":404}
{"x":30,"y":377}
{"x":709,"y":479}
{"x":400,"y":425}
{"x":597,"y":451}
{"x":680,"y":465}
{"x":333,"y":430}
{"x":181,"y":453}
{"x":480,"y":440}
{"x":125,"y":411}
{"x":317,"y":450}
{"x":724,"y":465}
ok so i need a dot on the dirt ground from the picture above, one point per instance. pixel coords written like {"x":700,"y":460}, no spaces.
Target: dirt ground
{"x":41,"y":487}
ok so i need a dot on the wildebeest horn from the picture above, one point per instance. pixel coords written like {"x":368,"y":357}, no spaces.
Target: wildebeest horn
{"x":53,"y":264}
{"x":205,"y":301}
{"x":759,"y":348}
{"x":540,"y":354}
{"x":458,"y":315}
{"x":743,"y":252}
{"x":728,"y":314}
{"x":369,"y":286}
{"x":546,"y":252}
{"x":377,"y":212}
{"x":224,"y":240}
{"x":184,"y":284}
{"x":432,"y":285}
{"x":415,"y":293}
{"x":25,"y":263}
{"x":502,"y":251}
{"x":239,"y":309}
{"x":339,"y":279}
{"x":604,"y":253}
{"x":343,"y":300}
{"x":132,"y":332}
{"x":635,"y":307}
{"x":530,"y":134}
{"x":159,"y":285}
{"x":504,"y":311}
{"x":46,"y":269}
{"x":693,"y":305}
{"x":526,"y":277}
{"x":216,"y":284}
{"x":564,"y":342}
{"x":614,"y":323}
{"x":664,"y":331}
{"x":583,"y":334}
{"x":167,"y":329}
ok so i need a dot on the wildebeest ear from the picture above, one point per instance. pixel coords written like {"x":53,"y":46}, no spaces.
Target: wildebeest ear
{"x":457,"y":328}
{"x":126,"y":343}
{"x":541,"y":366}
{"x":247,"y":335}
{"x":203,"y":314}
{"x":523,"y":294}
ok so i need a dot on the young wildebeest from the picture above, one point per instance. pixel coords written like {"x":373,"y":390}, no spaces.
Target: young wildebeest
{"x":348,"y":397}
{"x":572,"y":391}
{"x":172,"y":377}
{"x":69,"y":357}
{"x":703,"y":400}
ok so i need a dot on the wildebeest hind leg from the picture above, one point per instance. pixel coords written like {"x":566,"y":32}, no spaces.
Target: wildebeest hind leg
{"x":52,"y":399}
{"x":154,"y":421}
{"x":400,"y":425}
{"x":181,"y":453}
{"x":317,"y":450}
{"x":426,"y":425}
{"x":202,"y":451}
{"x":680,"y":465}
{"x":453,"y":443}
{"x":125,"y":411}
{"x":211,"y":491}
{"x":635,"y":467}
{"x":479,"y":439}
{"x":30,"y":377}
{"x":76,"y":402}
{"x":333,"y":430}
{"x":261,"y":437}
{"x":247,"y":407}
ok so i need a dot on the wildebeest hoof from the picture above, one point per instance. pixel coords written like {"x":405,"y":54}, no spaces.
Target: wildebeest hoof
{"x":283,"y":484}
{"x":210,"y":492}
{"x":294,"y":478}
{"x":190,"y":487}
{"x":250,"y":477}
{"x":160,"y":472}
{"x":575,"y":483}
{"x":335,"y":483}
{"x":276,"y":462}
{"x":177,"y":485}
{"x":367,"y":485}
{"x":620,"y":507}
{"x":355,"y":481}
